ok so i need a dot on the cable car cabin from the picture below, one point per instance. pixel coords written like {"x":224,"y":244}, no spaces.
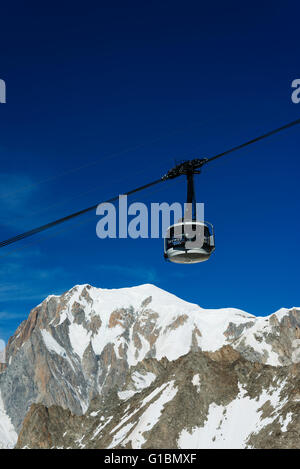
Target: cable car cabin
{"x":189,"y":242}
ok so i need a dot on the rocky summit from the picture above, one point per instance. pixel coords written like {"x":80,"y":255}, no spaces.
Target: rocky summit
{"x":140,"y":368}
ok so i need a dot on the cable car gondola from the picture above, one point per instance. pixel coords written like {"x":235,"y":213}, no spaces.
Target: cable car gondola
{"x":190,"y":240}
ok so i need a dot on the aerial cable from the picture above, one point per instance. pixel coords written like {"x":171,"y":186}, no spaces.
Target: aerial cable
{"x":181,"y":169}
{"x":65,"y":200}
{"x":39,"y":229}
{"x":78,"y":222}
{"x":105,"y":157}
{"x":254,"y":140}
{"x":192,"y":165}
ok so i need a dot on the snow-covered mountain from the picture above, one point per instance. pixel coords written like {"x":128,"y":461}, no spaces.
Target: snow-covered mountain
{"x":128,"y":359}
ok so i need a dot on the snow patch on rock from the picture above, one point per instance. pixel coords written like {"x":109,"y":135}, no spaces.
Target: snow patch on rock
{"x":8,"y":435}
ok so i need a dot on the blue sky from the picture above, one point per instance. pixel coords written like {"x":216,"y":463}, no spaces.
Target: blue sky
{"x":107,"y":97}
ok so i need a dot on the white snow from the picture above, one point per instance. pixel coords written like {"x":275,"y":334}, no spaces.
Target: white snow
{"x":124,"y":395}
{"x":79,"y":338}
{"x":253,"y":337}
{"x":122,"y":432}
{"x":172,"y":340}
{"x":53,"y":346}
{"x":120,"y":435}
{"x":196,"y":381}
{"x":166,"y":326}
{"x":140,"y":381}
{"x":8,"y":435}
{"x":229,"y":427}
{"x":284,"y":423}
{"x":147,"y":399}
{"x":150,"y":417}
{"x":101,"y":426}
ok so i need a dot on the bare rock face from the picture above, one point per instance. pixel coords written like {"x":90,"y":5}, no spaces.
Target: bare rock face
{"x":201,"y":400}
{"x":93,"y":357}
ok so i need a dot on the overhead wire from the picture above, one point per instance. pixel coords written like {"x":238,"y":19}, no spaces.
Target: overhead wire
{"x":47,"y":226}
{"x":254,"y":140}
{"x":103,"y":159}
{"x":57,"y":232}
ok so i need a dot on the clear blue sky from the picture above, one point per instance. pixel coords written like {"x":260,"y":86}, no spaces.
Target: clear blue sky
{"x":149,"y":83}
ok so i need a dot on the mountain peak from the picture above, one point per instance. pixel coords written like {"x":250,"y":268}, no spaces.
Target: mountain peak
{"x":88,"y":341}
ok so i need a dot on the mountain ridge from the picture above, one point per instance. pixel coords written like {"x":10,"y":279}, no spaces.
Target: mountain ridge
{"x":76,"y":347}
